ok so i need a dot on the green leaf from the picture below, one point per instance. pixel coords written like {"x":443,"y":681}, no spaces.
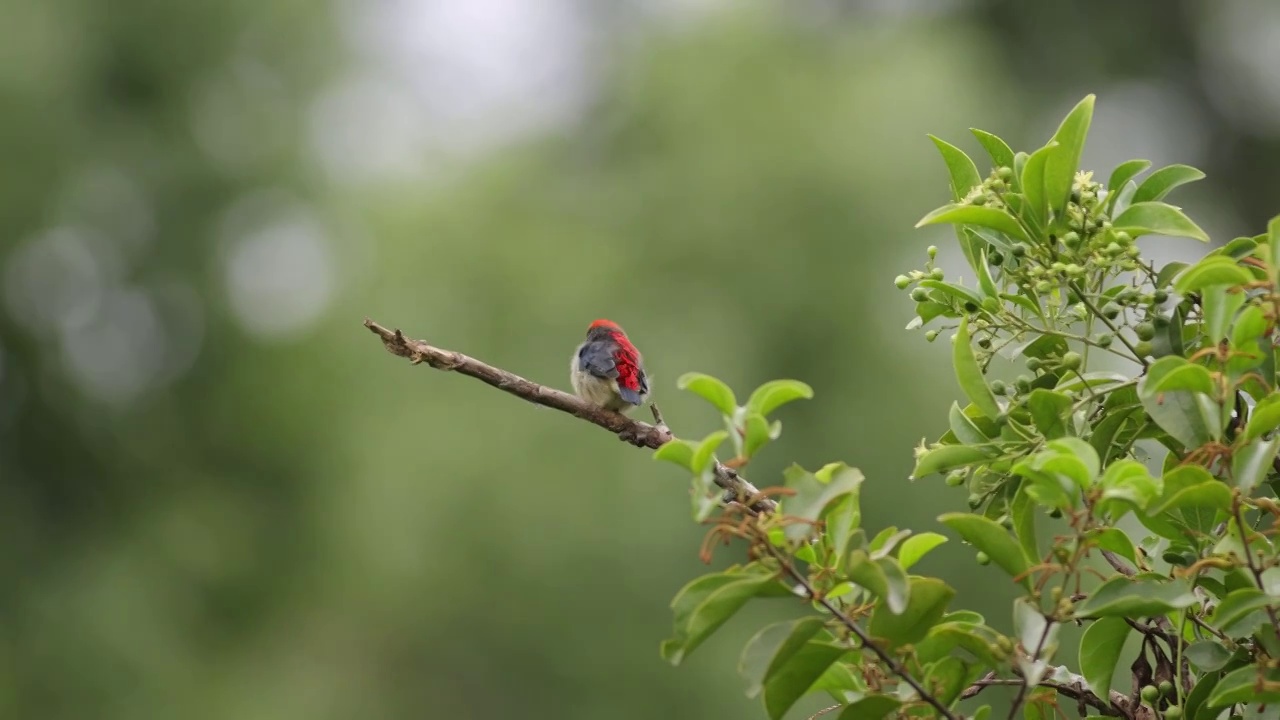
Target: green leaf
{"x":1236,"y":607}
{"x":885,"y":578}
{"x":947,"y":458}
{"x":1208,"y":655}
{"x":1033,"y":182}
{"x":1049,"y":411}
{"x":960,"y":294}
{"x":1199,"y":695}
{"x":1241,"y":686}
{"x":702,"y":457}
{"x":1147,"y":218}
{"x":964,"y":428}
{"x":985,"y":282}
{"x":964,"y":174}
{"x":1115,"y":540}
{"x":842,"y":519}
{"x":1159,"y":183}
{"x":772,"y":647}
{"x":774,"y":394}
{"x":969,"y":373}
{"x":705,"y":604}
{"x":872,"y":707}
{"x":979,"y":215}
{"x":814,"y":491}
{"x":1000,"y":152}
{"x":917,"y":546}
{"x":677,"y":451}
{"x":1251,"y":464}
{"x":1123,"y":173}
{"x":1251,"y":325}
{"x":1177,"y":413}
{"x":1128,"y":480}
{"x":1023,"y":514}
{"x":793,"y":679}
{"x":1187,"y":376}
{"x":1212,"y":270}
{"x":991,"y":538}
{"x":947,"y":678}
{"x":1100,"y":648}
{"x":755,"y":433}
{"x":1220,"y":308}
{"x":927,"y":603}
{"x":1189,"y":486}
{"x":1061,"y":166}
{"x":976,"y":638}
{"x":1265,"y":417}
{"x":710,"y":389}
{"x":1140,"y":596}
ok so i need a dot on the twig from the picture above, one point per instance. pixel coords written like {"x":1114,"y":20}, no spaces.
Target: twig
{"x":894,"y":666}
{"x":1072,"y":691}
{"x":1114,"y":561}
{"x":824,"y":711}
{"x":1253,"y":565}
{"x":636,"y":432}
{"x":1035,"y":656}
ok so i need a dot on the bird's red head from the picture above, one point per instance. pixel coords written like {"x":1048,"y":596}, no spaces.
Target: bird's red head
{"x":603,"y":324}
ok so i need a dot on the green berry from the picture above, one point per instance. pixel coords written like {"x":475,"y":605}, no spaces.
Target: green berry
{"x":1150,"y":693}
{"x":999,"y":388}
{"x":1110,"y":310}
{"x":1113,"y":249}
{"x":1104,"y":340}
{"x":1173,"y":712}
{"x":979,"y":200}
{"x":937,"y":274}
{"x":1159,"y":296}
{"x":1166,"y":687}
{"x":996,"y":259}
{"x":1123,"y":238}
{"x":1145,"y":330}
{"x":982,"y":558}
{"x":933,"y":251}
{"x":1056,"y":513}
{"x":1023,"y":383}
{"x":1019,"y":250}
{"x":984,"y":343}
{"x":1072,"y":360}
{"x":1074,"y":270}
{"x":1143,"y":348}
{"x":1005,"y":173}
{"x":1034,"y":364}
{"x":1044,"y":286}
{"x":1058,"y":267}
{"x":1071,"y":239}
{"x":901,"y":282}
{"x":931,"y":335}
{"x":991,"y":305}
{"x":920,"y":294}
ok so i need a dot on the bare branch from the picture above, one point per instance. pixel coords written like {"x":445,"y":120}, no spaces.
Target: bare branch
{"x":1074,"y":691}
{"x":636,"y":432}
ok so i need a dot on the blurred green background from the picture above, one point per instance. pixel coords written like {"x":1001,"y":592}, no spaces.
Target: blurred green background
{"x":220,"y":498}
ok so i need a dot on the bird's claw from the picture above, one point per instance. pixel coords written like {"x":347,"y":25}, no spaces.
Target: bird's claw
{"x":632,"y":437}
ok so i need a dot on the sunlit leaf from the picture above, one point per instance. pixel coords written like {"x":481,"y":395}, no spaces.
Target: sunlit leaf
{"x":969,"y":373}
{"x":1157,"y":218}
{"x":980,"y":215}
{"x":991,"y":538}
{"x":947,"y":458}
{"x":917,"y":546}
{"x":1159,"y":183}
{"x":1000,"y":152}
{"x":1139,"y":596}
{"x":710,"y":389}
{"x":774,"y":394}
{"x":1242,"y":685}
{"x":964,"y":174}
{"x":927,"y":603}
{"x":1100,"y":652}
{"x":1061,"y":166}
{"x":772,"y":647}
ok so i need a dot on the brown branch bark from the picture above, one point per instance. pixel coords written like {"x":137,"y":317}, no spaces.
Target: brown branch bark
{"x":1075,"y":692}
{"x":636,"y":432}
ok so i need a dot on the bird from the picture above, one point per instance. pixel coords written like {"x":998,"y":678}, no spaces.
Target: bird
{"x":607,"y":369}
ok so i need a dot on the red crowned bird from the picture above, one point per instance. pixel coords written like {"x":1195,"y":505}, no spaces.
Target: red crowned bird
{"x":607,"y":370}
